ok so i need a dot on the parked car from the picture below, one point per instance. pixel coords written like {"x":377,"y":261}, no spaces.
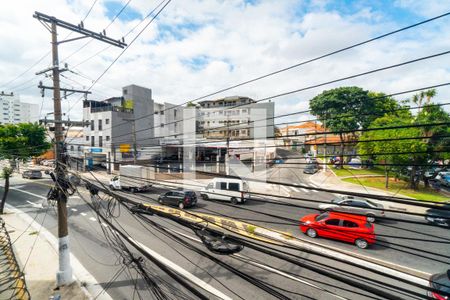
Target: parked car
{"x":355,"y":163}
{"x":182,"y":199}
{"x":433,"y":172}
{"x":354,"y":205}
{"x":311,"y":169}
{"x":438,"y":219}
{"x":32,"y":174}
{"x":48,"y":162}
{"x":440,"y":282}
{"x":228,"y":189}
{"x":443,"y":178}
{"x":339,"y":226}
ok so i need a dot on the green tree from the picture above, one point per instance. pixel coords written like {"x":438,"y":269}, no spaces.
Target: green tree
{"x":19,"y":142}
{"x":419,"y":97}
{"x":349,"y":109}
{"x":369,"y":144}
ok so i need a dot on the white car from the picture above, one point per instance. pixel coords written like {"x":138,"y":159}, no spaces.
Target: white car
{"x":228,"y":189}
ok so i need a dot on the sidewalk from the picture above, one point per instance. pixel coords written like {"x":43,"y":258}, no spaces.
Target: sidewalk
{"x":38,"y":260}
{"x":328,"y":180}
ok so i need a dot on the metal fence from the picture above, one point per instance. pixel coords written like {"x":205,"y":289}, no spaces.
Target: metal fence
{"x":12,"y":279}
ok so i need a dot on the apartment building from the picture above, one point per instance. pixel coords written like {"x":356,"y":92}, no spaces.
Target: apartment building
{"x":117,"y":125}
{"x":235,"y":118}
{"x":13,"y":110}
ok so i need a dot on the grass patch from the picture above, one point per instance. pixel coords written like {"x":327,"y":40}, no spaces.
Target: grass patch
{"x":350,"y":172}
{"x":400,"y":187}
{"x":251,"y":229}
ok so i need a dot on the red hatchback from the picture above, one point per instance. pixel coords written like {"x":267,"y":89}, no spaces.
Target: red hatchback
{"x":339,"y":226}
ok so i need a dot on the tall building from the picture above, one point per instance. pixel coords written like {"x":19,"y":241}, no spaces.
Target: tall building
{"x":235,"y":117}
{"x":117,"y":124}
{"x":13,"y":111}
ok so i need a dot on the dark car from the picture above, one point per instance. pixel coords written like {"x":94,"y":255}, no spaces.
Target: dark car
{"x":311,"y":169}
{"x":441,"y":283}
{"x":32,"y":174}
{"x":439,"y":219}
{"x":182,"y":199}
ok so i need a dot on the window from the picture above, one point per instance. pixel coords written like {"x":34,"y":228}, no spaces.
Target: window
{"x":233,"y":187}
{"x":92,"y":125}
{"x":333,"y":222}
{"x":161,"y":112}
{"x":349,"y":224}
{"x":106,"y":121}
{"x":125,"y":91}
{"x":174,"y":113}
{"x":360,"y":204}
{"x":71,"y":147}
{"x":92,"y":141}
{"x":107,"y":138}
{"x":79,"y":148}
{"x":100,"y":141}
{"x":221,"y":185}
{"x":100,"y":125}
{"x":87,"y":139}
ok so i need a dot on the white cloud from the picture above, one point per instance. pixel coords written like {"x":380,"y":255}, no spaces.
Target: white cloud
{"x":233,"y":41}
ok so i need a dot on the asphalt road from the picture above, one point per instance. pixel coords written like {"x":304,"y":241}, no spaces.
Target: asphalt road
{"x":95,"y":253}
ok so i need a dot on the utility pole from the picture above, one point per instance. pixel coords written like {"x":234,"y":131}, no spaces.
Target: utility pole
{"x":133,"y":130}
{"x":60,"y":190}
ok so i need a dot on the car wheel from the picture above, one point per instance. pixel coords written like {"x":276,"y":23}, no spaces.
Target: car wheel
{"x":311,"y":233}
{"x":370,"y":218}
{"x":234,"y":200}
{"x":361,"y":243}
{"x":181,"y":205}
{"x":205,"y":197}
{"x":160,"y":201}
{"x":112,"y":187}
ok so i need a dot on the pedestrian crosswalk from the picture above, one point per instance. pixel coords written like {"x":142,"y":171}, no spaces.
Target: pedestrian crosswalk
{"x":290,"y":189}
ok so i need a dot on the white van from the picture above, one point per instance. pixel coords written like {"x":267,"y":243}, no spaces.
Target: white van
{"x":228,"y":189}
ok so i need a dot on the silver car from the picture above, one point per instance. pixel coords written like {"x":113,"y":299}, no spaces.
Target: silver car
{"x":350,"y":204}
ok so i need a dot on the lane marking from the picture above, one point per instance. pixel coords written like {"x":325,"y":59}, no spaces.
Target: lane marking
{"x":92,"y":219}
{"x":74,"y":209}
{"x":287,"y":275}
{"x":104,"y":224}
{"x":17,"y":186}
{"x":183,"y":272}
{"x":34,"y":204}
{"x":294,"y":189}
{"x":29,"y":193}
{"x":83,"y":214}
{"x":305,"y":190}
{"x":285,"y":188}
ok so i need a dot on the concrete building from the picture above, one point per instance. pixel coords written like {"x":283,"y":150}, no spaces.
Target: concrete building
{"x":118,"y":125}
{"x":13,"y":111}
{"x":235,"y":117}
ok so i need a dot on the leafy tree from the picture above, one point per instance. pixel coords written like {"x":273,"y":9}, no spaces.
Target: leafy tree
{"x":19,"y":142}
{"x":369,"y":145}
{"x":349,"y":109}
{"x":419,"y":97}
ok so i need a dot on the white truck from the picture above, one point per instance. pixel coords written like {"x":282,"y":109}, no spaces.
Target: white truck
{"x":133,"y":178}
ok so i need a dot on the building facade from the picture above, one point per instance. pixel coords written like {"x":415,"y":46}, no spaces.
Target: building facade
{"x":235,"y":118}
{"x":13,"y":110}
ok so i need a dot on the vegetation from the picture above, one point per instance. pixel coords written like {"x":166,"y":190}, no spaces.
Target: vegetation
{"x":19,"y":142}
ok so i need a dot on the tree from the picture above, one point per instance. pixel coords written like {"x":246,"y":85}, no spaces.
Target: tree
{"x":349,"y":109}
{"x":369,"y":145}
{"x":19,"y":142}
{"x":418,"y":98}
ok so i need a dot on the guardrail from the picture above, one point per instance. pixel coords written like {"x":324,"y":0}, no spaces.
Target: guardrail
{"x":12,"y":279}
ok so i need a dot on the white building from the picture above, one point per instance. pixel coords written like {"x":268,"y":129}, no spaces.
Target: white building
{"x":235,"y":117}
{"x":13,"y":111}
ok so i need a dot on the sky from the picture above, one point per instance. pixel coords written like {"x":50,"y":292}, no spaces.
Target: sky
{"x":195,"y":48}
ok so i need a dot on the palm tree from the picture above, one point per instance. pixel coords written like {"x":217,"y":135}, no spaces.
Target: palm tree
{"x":430,"y":94}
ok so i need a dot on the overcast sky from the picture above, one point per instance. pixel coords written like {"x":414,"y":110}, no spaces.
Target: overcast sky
{"x":194,"y":48}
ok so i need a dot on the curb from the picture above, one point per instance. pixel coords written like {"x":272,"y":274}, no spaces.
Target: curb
{"x":81,"y":275}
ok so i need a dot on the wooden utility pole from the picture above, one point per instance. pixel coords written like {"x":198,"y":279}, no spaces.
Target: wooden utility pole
{"x":60,"y":190}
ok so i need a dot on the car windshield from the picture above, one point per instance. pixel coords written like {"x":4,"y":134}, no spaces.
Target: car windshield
{"x":336,"y":200}
{"x":441,"y":282}
{"x":190,"y":194}
{"x":322,"y":217}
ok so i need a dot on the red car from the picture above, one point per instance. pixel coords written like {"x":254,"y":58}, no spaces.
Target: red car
{"x":339,"y":226}
{"x":441,"y":283}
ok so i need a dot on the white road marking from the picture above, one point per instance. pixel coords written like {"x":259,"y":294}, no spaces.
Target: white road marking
{"x":34,"y":204}
{"x":183,"y":272}
{"x":294,"y":189}
{"x":83,"y":214}
{"x":305,"y":190}
{"x":285,"y":188}
{"x":17,"y":186}
{"x":74,"y":209}
{"x":29,"y":193}
{"x":92,"y":219}
{"x":104,"y":224}
{"x":286,"y":275}
{"x":314,"y":191}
